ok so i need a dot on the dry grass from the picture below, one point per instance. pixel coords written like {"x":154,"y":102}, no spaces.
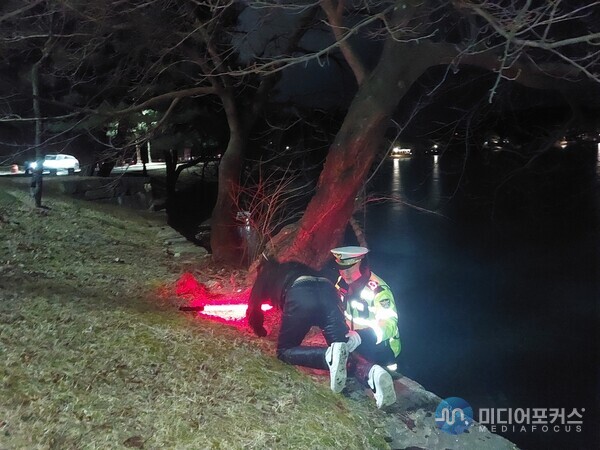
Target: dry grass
{"x":93,"y":357}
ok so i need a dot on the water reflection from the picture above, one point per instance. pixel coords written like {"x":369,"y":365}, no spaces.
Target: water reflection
{"x":395,"y":187}
{"x":415,"y":180}
{"x":493,"y":301}
{"x":435,"y":181}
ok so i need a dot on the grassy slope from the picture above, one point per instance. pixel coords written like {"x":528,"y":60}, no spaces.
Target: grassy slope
{"x":91,"y":358}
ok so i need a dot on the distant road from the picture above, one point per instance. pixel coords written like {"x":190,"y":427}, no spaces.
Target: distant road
{"x":139,"y":167}
{"x":6,"y":170}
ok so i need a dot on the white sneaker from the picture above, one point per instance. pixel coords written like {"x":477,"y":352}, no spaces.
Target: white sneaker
{"x":337,"y":356}
{"x":380,"y":381}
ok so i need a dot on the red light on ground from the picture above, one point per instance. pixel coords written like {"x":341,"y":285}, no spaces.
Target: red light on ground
{"x":229,"y":309}
{"x":187,"y":285}
{"x":232,"y":308}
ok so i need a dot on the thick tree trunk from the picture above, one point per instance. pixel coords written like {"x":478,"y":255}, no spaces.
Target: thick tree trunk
{"x":171,"y":169}
{"x":37,"y":176}
{"x":225,"y":239}
{"x":106,"y":168}
{"x":142,"y":154}
{"x":354,"y":149}
{"x":119,"y":144}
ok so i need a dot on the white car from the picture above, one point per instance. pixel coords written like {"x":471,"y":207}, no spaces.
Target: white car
{"x":56,"y":163}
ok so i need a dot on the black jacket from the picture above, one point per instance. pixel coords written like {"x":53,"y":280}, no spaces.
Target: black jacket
{"x":272,"y":282}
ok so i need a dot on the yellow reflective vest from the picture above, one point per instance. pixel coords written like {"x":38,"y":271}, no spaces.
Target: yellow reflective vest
{"x":372,"y":306}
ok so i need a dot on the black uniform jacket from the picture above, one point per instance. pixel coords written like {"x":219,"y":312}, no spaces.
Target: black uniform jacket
{"x":272,"y":282}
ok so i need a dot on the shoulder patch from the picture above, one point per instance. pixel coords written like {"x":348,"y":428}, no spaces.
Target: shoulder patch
{"x":385,"y":303}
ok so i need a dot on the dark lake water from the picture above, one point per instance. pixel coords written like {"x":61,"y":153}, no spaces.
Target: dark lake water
{"x":498,"y":290}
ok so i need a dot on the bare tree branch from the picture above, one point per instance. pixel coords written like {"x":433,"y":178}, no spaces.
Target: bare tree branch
{"x":335,"y":15}
{"x":20,"y":11}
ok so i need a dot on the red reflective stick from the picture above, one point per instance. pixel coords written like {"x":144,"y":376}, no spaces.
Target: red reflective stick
{"x":213,"y":306}
{"x":241,"y":307}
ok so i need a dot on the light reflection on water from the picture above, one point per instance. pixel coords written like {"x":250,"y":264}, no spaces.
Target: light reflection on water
{"x":395,"y":187}
{"x":501,"y":312}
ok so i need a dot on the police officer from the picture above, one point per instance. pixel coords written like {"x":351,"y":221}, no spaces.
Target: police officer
{"x":306,"y":299}
{"x":371,"y":314}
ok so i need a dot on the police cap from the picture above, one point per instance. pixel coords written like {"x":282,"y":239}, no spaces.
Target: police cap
{"x":348,"y":256}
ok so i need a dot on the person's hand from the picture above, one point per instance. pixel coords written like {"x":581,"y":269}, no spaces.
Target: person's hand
{"x":354,"y":340}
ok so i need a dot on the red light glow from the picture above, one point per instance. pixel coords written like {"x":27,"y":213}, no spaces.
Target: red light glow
{"x":229,"y":309}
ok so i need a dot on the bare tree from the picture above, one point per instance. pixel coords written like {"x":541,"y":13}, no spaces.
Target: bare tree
{"x":542,"y":45}
{"x":267,"y":204}
{"x":121,"y":56}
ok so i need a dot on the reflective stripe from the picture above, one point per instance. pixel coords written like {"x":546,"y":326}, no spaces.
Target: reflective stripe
{"x":357,"y":305}
{"x":378,"y":332}
{"x":367,"y":323}
{"x":386,"y":313}
{"x":363,"y":322}
{"x":379,"y":312}
{"x":367,"y":294}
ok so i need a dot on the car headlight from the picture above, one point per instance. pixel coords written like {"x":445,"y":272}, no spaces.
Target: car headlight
{"x":33,"y":165}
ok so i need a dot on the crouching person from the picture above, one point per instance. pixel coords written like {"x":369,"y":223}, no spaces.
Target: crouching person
{"x":371,"y":314}
{"x":306,"y":299}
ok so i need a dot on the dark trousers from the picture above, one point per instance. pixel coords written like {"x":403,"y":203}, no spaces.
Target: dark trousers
{"x":310,"y":302}
{"x":380,"y":354}
{"x":367,"y":354}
